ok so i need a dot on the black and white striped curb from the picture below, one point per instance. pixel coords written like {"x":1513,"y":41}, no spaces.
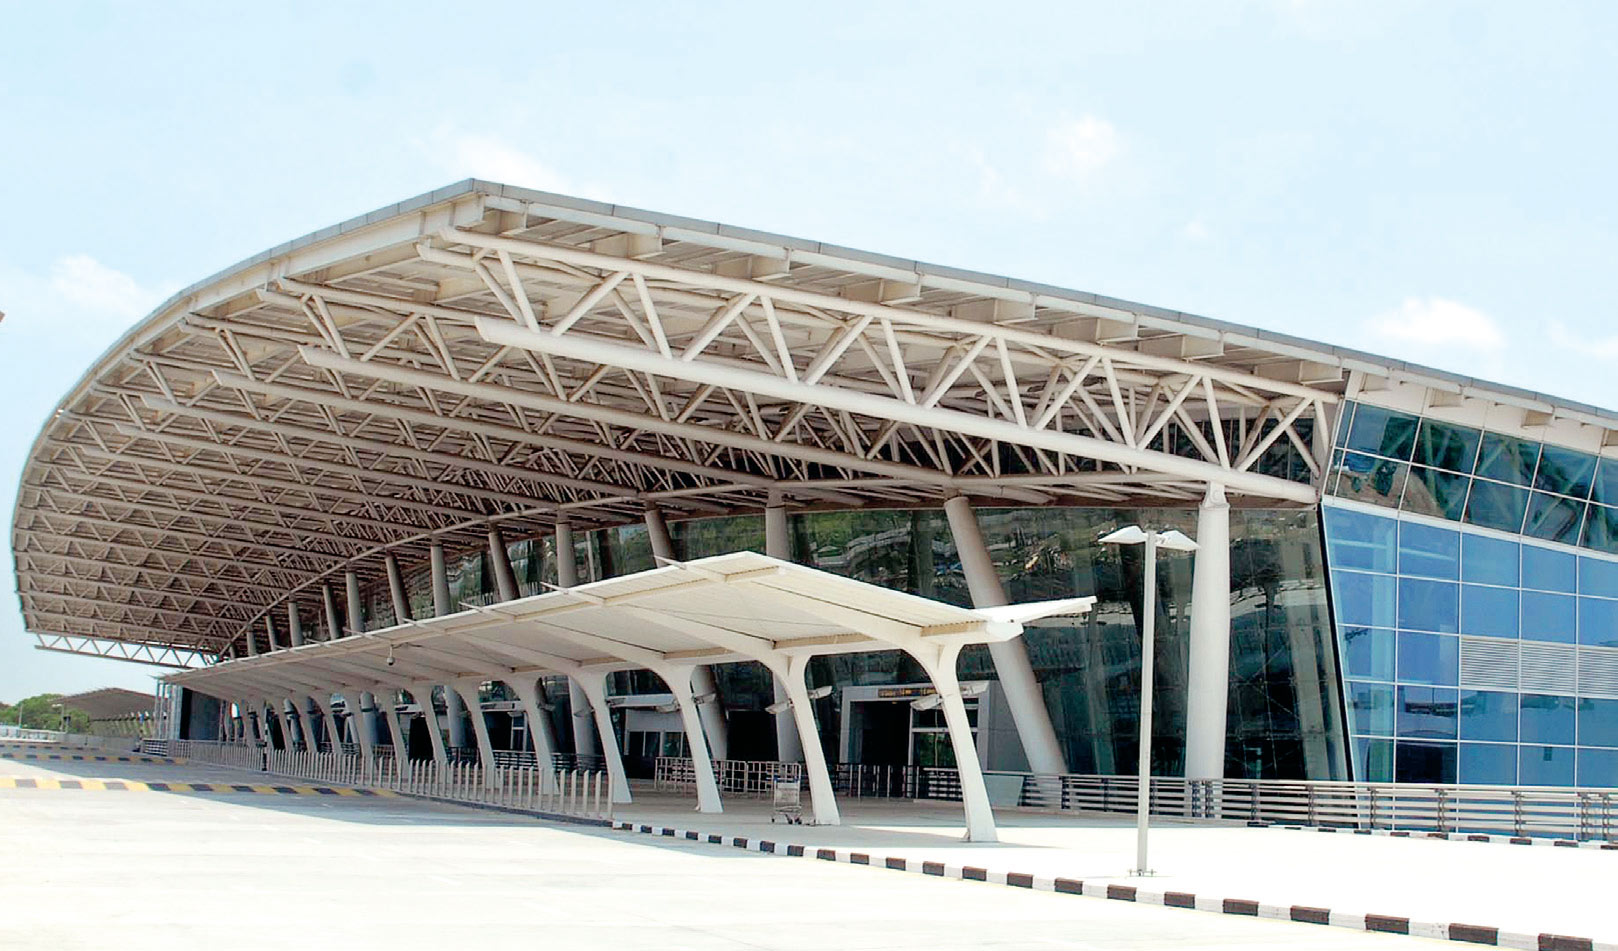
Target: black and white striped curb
{"x":1391,"y":924}
{"x":1610,"y":846}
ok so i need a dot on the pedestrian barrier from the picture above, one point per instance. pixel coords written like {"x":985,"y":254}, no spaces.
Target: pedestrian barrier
{"x":735,"y":777}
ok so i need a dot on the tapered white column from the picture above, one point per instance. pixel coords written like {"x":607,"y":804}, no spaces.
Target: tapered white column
{"x":505,"y":581}
{"x":1016,"y":674}
{"x":468,"y":690}
{"x":423,"y":694}
{"x":294,"y":624}
{"x":539,"y":733}
{"x":396,"y":589}
{"x":789,"y":745}
{"x":1208,"y":687}
{"x":567,"y":575}
{"x":940,"y":666}
{"x":334,"y":737}
{"x":701,"y":760}
{"x":442,"y":605}
{"x":401,"y":744}
{"x":356,"y":616}
{"x":712,"y":711}
{"x":306,"y":722}
{"x":594,"y":688}
{"x":334,"y":626}
{"x":364,"y":723}
{"x":794,"y":684}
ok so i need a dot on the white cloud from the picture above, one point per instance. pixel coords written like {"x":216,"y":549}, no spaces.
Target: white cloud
{"x":485,"y":156}
{"x":1195,"y":230}
{"x":1603,"y":348}
{"x":1438,"y":322}
{"x":86,"y":283}
{"x":1079,"y":148}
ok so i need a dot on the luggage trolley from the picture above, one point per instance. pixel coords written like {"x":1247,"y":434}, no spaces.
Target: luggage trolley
{"x":788,"y":801}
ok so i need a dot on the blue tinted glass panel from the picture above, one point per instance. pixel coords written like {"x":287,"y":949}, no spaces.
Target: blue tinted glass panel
{"x":1554,"y":518}
{"x":1427,"y":712}
{"x":1370,"y":708}
{"x":1429,"y":605}
{"x":1547,"y":719}
{"x":1601,"y":528}
{"x":1429,"y":552}
{"x":1383,"y":432}
{"x":1489,"y":612}
{"x":1429,"y":658}
{"x":1368,"y":653}
{"x":1435,"y":492}
{"x":1598,"y":767}
{"x":1598,"y":622}
{"x":1490,"y":560}
{"x":1344,"y":421}
{"x":1362,"y":599}
{"x":1599,"y":577}
{"x":1373,"y":760}
{"x":1358,"y":540}
{"x":1489,"y":764}
{"x":1369,"y":479}
{"x":1547,"y":570}
{"x":1424,"y":762}
{"x":1598,"y":722}
{"x":1606,"y":483}
{"x":1565,"y":472}
{"x":1488,"y":715}
{"x":1545,"y":766}
{"x":1505,"y":459}
{"x":1446,"y":446}
{"x":1549,"y":617}
{"x":1497,"y":506}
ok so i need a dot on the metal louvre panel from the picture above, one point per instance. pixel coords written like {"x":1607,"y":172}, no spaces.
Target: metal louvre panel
{"x":1550,"y":668}
{"x":1488,"y":663}
{"x":1598,"y":672}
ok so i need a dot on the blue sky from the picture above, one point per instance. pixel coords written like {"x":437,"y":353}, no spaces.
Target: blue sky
{"x":1429,"y":180}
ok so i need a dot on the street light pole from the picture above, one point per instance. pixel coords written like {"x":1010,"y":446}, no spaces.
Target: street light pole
{"x":1174,"y":541}
{"x":1148,"y":657}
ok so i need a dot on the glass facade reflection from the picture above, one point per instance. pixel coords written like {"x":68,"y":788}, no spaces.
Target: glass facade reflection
{"x":1468,"y":655}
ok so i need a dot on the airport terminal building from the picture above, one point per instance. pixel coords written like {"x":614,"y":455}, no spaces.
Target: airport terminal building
{"x":470,"y":475}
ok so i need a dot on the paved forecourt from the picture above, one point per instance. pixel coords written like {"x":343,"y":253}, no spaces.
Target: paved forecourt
{"x":161,"y":870}
{"x":1518,"y":892}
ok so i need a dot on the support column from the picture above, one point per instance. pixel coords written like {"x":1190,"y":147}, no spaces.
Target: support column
{"x":594,"y":688}
{"x":789,"y":744}
{"x":334,"y":628}
{"x":440,"y":573}
{"x":939,"y":662}
{"x":401,"y":745}
{"x":269,"y":632}
{"x":504,"y":580}
{"x":252,"y":644}
{"x":356,"y":617}
{"x":334,"y":736}
{"x":1016,"y":674}
{"x":364,"y":724}
{"x":794,"y":684}
{"x":468,"y":689}
{"x":306,"y":723}
{"x":294,"y":624}
{"x":703,"y":684}
{"x":680,"y":684}
{"x":396,"y":588}
{"x":567,"y":575}
{"x":1208,"y":687}
{"x":423,"y":694}
{"x":539,"y":733}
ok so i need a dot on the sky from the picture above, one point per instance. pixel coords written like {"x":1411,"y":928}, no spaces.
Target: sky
{"x":1432,"y":181}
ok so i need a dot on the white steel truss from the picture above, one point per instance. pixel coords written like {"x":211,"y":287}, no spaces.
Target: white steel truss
{"x":496,"y":357}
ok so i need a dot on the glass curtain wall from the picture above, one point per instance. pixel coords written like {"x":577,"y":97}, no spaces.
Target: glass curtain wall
{"x":1473,"y":656}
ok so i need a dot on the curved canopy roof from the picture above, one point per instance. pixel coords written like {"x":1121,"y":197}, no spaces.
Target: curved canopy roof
{"x":487,"y":354}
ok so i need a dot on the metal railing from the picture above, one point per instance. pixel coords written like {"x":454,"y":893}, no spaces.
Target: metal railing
{"x":734,"y":776}
{"x":578,"y":793}
{"x":1523,"y":811}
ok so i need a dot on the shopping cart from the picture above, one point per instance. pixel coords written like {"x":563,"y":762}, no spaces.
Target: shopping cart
{"x":788,"y":801}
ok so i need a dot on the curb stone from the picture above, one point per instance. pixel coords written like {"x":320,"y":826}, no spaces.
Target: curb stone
{"x":1303,"y":914}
